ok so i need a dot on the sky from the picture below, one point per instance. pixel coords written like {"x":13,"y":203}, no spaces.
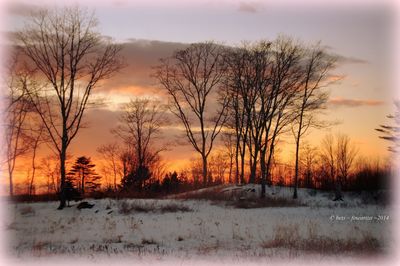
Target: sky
{"x":362,"y":33}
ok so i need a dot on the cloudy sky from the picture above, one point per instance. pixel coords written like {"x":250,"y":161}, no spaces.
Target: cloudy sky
{"x":361,"y":33}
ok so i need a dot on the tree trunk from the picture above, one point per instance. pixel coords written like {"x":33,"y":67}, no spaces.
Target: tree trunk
{"x":83,"y":183}
{"x":296,"y":172}
{"x":237,"y":162}
{"x":205,"y":173}
{"x":115,"y":176}
{"x":253,"y":169}
{"x":62,"y":172}
{"x":296,"y":169}
{"x":263,"y":172}
{"x":230,"y":168}
{"x":10,"y":176}
{"x":33,"y":172}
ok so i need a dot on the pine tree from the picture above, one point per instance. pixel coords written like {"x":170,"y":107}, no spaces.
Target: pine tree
{"x":136,"y":178}
{"x":84,"y":176}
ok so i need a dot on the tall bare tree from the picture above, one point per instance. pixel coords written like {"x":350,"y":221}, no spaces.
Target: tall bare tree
{"x":285,"y":76}
{"x":311,"y":97}
{"x":139,"y":128}
{"x":37,"y":138}
{"x":237,"y":121}
{"x":229,"y":144}
{"x":192,"y":77}
{"x":71,"y":58}
{"x":16,"y":114}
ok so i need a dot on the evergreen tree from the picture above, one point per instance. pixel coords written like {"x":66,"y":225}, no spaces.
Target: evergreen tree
{"x":136,"y":178}
{"x":171,"y":182}
{"x":84,"y":176}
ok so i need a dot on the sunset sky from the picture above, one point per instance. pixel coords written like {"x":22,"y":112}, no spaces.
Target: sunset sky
{"x":361,"y":35}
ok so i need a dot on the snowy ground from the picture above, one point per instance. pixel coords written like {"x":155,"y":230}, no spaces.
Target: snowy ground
{"x":191,"y":229}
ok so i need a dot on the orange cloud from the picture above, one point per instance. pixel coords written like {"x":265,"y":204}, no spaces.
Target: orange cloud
{"x":346,"y":102}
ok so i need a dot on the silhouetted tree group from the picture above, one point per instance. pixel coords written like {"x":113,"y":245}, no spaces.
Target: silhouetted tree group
{"x":256,"y":91}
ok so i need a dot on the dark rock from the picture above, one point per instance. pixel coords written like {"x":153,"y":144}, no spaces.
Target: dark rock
{"x":84,"y":205}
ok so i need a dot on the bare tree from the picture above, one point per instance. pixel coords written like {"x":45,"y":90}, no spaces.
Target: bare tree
{"x":328,"y":155}
{"x":311,"y":98}
{"x":139,"y":128}
{"x":71,"y":57}
{"x":111,"y":154}
{"x":230,"y":151}
{"x":278,"y":97}
{"x":346,"y":153}
{"x":247,"y":79}
{"x":191,"y":77}
{"x":339,"y":155}
{"x":238,"y":121}
{"x":218,"y":164}
{"x":16,"y":114}
{"x":37,"y":138}
{"x":308,"y":162}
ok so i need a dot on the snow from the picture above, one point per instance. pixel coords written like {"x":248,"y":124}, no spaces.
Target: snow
{"x":209,"y":230}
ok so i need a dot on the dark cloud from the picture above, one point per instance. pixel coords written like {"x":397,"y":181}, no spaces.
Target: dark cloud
{"x":343,"y":102}
{"x":140,"y":56}
{"x":350,"y":60}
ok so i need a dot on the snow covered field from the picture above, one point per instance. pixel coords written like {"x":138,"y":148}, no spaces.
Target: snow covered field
{"x":191,"y":228}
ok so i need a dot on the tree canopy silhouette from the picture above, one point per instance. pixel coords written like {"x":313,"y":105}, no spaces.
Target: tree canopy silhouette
{"x":84,"y":176}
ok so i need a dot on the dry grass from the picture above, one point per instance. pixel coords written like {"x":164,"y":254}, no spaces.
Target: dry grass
{"x":288,"y":237}
{"x":238,"y":198}
{"x":173,"y":207}
{"x":213,"y":194}
{"x":266,"y":203}
{"x":126,"y":207}
{"x":146,"y":241}
{"x":366,"y":245}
